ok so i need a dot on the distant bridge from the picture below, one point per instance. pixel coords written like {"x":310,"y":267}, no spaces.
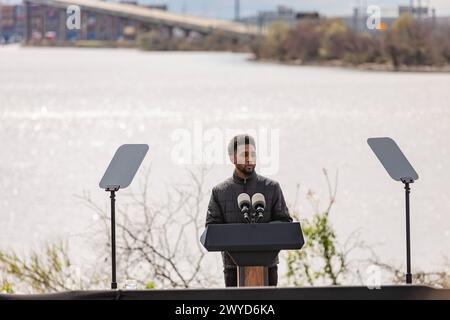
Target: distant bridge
{"x":101,"y":20}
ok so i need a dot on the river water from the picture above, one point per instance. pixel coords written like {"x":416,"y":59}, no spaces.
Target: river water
{"x":63,"y":113}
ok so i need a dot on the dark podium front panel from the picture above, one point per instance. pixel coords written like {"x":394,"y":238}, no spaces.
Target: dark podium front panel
{"x":254,"y":244}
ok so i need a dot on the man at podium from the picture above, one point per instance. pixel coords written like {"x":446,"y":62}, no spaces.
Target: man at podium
{"x":223,"y":205}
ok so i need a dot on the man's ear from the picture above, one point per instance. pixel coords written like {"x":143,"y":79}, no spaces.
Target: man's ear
{"x":233,"y":158}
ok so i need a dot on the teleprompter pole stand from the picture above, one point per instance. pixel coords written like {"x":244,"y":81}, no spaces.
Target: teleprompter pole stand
{"x":119,"y":174}
{"x":406,"y":182}
{"x":399,"y":169}
{"x":113,"y":190}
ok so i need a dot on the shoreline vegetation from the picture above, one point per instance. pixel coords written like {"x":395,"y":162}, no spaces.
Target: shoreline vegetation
{"x":153,"y":260}
{"x":409,"y":45}
{"x":375,"y":67}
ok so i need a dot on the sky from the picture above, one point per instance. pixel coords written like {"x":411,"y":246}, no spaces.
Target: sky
{"x":224,"y":9}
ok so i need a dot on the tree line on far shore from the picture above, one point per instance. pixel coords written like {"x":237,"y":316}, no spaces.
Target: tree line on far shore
{"x":408,"y":42}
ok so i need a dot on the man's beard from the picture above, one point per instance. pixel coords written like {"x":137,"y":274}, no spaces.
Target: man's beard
{"x":247,"y":170}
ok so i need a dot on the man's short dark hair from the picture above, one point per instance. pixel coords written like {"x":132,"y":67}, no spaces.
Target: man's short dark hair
{"x":239,"y":140}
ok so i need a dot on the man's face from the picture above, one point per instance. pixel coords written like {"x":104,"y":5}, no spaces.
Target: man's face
{"x":245,"y":159}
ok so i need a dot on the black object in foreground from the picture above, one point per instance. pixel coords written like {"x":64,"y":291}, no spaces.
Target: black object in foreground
{"x":120,"y":173}
{"x":398,"y":292}
{"x":399,"y":168}
{"x":253,"y":245}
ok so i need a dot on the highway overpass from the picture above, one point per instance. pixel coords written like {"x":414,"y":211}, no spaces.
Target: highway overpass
{"x":101,"y":20}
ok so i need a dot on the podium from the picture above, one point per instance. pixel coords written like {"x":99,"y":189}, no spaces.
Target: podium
{"x":253,"y":247}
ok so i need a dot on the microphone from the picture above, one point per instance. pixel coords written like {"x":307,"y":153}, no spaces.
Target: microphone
{"x":244,"y":204}
{"x":259,"y":204}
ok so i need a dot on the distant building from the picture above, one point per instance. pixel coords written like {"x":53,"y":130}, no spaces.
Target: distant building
{"x":97,"y":27}
{"x":358,"y":21}
{"x":285,"y":14}
{"x":415,"y":11}
{"x":12,"y":23}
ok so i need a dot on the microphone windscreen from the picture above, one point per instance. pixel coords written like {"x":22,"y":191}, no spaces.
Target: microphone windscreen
{"x":243,"y":199}
{"x":258,"y":200}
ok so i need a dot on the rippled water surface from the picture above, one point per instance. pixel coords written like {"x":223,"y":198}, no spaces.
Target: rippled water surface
{"x":63,"y":112}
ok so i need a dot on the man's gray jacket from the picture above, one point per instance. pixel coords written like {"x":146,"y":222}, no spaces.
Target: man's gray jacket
{"x":223,"y":206}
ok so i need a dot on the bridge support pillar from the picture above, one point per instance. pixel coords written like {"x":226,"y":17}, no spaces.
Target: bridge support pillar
{"x":61,"y":26}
